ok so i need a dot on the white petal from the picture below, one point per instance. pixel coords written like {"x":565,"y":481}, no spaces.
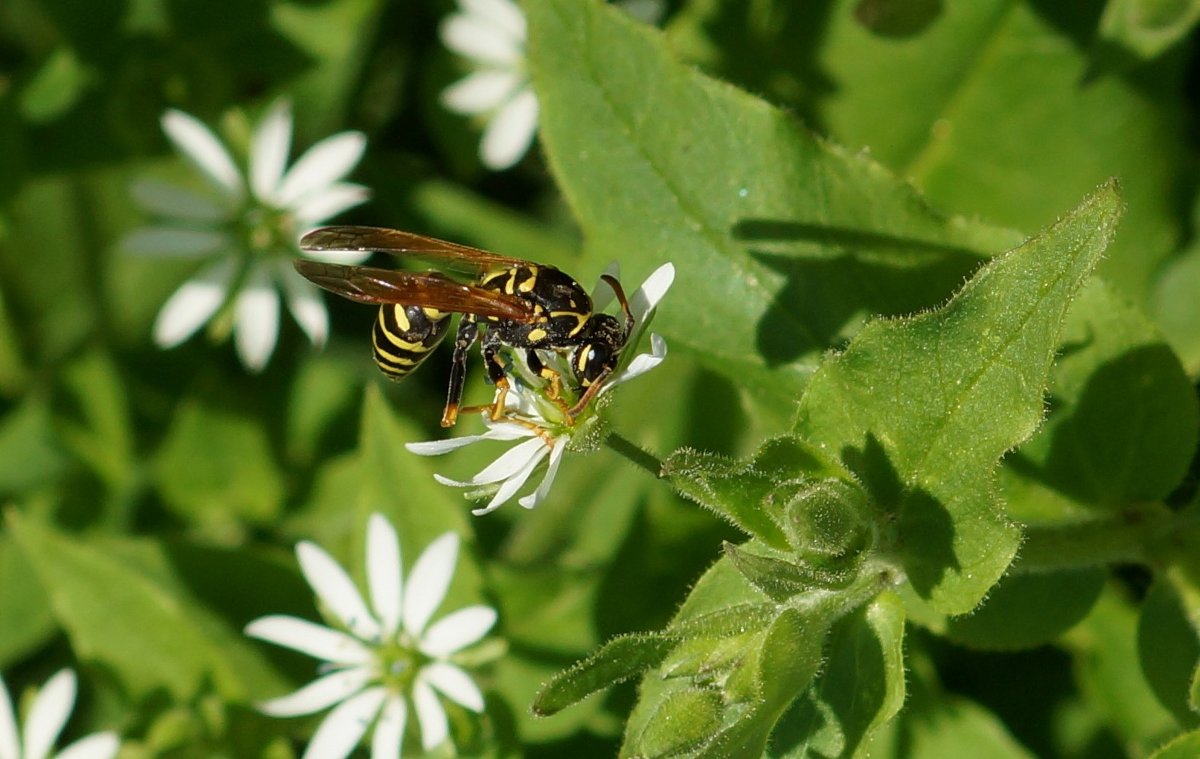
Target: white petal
{"x":319,"y":694}
{"x":508,"y":135}
{"x":481,"y":92}
{"x":641,"y":363}
{"x":439,"y":447}
{"x":256,"y":315}
{"x":507,"y":465}
{"x":481,"y":42}
{"x":428,"y":582}
{"x":323,"y":164}
{"x":430,"y":715}
{"x":173,"y":242}
{"x":166,"y":199}
{"x":48,"y":714}
{"x":193,"y":304}
{"x":305,"y":303}
{"x":94,"y":746}
{"x":500,"y":13}
{"x":315,"y":208}
{"x":509,"y":487}
{"x":10,"y":747}
{"x":456,"y":631}
{"x":389,"y":729}
{"x":317,"y":641}
{"x":602,"y":293}
{"x":336,"y":590}
{"x":384,"y":573}
{"x":269,"y":150}
{"x":643,"y":301}
{"x":539,"y":495}
{"x":348,"y":257}
{"x":455,"y":684}
{"x":345,"y":726}
{"x":201,"y":146}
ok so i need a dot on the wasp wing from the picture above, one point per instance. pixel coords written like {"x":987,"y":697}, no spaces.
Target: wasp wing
{"x":365,"y":284}
{"x":397,"y":242}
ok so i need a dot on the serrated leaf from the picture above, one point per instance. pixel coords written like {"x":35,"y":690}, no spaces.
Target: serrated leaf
{"x":781,"y":241}
{"x":1122,"y":424}
{"x":925,"y":443}
{"x":618,"y":660}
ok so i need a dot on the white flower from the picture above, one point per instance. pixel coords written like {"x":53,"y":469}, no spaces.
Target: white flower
{"x":247,"y":231}
{"x":45,"y":721}
{"x":386,"y":655}
{"x":491,"y":34}
{"x":544,"y":430}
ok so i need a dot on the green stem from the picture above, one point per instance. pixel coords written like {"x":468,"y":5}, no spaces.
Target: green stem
{"x":1140,"y":534}
{"x":640,"y":458}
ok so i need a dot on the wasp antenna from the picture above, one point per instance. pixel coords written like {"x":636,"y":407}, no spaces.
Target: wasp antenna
{"x":615,"y":284}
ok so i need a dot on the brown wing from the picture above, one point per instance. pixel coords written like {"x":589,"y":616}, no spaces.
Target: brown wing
{"x":397,"y":242}
{"x":368,"y":285}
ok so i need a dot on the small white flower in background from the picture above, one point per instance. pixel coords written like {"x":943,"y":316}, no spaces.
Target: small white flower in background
{"x":247,"y":231}
{"x":384,"y":656}
{"x":491,"y":34}
{"x":543,"y":429}
{"x":45,"y":720}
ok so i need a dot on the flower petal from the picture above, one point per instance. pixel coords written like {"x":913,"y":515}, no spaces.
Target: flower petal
{"x":509,"y":487}
{"x":479,"y":41}
{"x":336,"y":591}
{"x":166,"y":199}
{"x":428,"y":582}
{"x":480,"y":92}
{"x":10,"y":747}
{"x":349,"y":257}
{"x":48,"y":714}
{"x":602,"y":293}
{"x":316,"y":207}
{"x":269,"y":150}
{"x":503,"y":14}
{"x":198,"y":143}
{"x":319,"y":694}
{"x":192,"y":304}
{"x":539,"y":495}
{"x":323,"y":164}
{"x":439,"y":447}
{"x":456,"y":631}
{"x":643,"y":301}
{"x":641,"y":363}
{"x":256,"y":314}
{"x":345,"y":726}
{"x":507,"y":465}
{"x":174,"y":242}
{"x":305,"y":303}
{"x":389,"y":729}
{"x":455,"y":684}
{"x":508,"y":135}
{"x":384,"y":572}
{"x":317,"y":641}
{"x":94,"y":746}
{"x":430,"y":715}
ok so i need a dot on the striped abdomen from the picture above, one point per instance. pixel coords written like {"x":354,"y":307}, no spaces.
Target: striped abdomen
{"x":404,"y":336}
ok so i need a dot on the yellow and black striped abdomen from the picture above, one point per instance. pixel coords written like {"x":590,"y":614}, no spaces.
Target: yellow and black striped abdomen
{"x":404,"y":336}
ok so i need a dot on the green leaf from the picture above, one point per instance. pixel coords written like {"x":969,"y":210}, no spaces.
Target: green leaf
{"x":1185,"y":746}
{"x":31,"y":452}
{"x":1122,"y":424}
{"x":216,"y":466}
{"x":96,"y":423}
{"x":121,"y":604}
{"x":25,"y":618}
{"x":860,"y":688}
{"x":925,"y":443}
{"x":616,"y":661}
{"x":58,"y":84}
{"x":1146,"y":28}
{"x":953,"y":726}
{"x":781,"y":242}
{"x":1172,"y":305}
{"x":682,"y":720}
{"x":1167,"y":641}
{"x":781,"y":578}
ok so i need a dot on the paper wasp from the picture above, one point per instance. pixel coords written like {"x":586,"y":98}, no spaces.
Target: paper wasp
{"x":518,"y":304}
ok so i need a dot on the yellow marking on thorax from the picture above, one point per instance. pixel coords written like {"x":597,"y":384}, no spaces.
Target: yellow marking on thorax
{"x":537,"y":335}
{"x":585,"y":353}
{"x":581,"y":320}
{"x":531,"y":282}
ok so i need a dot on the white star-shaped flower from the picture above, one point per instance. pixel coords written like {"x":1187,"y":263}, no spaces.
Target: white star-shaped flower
{"x":537,"y":421}
{"x":246,"y":231}
{"x":491,"y":34}
{"x":385,"y":656}
{"x":45,"y":720}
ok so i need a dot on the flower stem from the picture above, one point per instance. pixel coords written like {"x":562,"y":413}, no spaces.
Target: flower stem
{"x":640,"y":458}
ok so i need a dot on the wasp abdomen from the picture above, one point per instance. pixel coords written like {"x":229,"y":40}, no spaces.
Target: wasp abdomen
{"x":404,"y":336}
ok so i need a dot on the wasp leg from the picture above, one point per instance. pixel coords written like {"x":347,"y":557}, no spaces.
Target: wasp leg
{"x":468,"y":332}
{"x":554,"y":392}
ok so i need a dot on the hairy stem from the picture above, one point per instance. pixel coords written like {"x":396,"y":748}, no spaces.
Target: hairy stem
{"x":640,"y":458}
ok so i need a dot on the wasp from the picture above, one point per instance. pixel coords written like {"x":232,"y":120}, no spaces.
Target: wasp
{"x":514,"y":303}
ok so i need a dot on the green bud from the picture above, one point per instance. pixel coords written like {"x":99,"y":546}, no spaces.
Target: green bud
{"x":682,"y":721}
{"x":826,"y":521}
